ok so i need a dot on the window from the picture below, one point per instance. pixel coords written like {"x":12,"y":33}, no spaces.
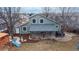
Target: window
{"x":41,"y":20}
{"x":34,"y":21}
{"x":24,"y":28}
{"x":56,"y":26}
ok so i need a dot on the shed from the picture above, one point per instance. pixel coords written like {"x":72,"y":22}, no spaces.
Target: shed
{"x":4,"y":39}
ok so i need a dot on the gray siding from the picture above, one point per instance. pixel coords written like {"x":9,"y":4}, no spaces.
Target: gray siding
{"x":44,"y":27}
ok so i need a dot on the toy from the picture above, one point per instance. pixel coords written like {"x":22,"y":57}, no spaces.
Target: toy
{"x":16,"y":43}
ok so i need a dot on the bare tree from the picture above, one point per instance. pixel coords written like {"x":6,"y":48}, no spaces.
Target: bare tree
{"x":11,"y":16}
{"x":66,"y":14}
{"x":46,"y":11}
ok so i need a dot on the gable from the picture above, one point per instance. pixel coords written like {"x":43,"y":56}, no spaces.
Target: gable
{"x":45,"y":20}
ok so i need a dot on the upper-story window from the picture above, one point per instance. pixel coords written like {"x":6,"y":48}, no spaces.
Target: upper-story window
{"x":34,"y":21}
{"x":41,"y":20}
{"x":24,"y":28}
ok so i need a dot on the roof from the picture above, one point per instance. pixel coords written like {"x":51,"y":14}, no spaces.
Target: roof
{"x":3,"y":34}
{"x":22,"y":21}
{"x":21,"y":24}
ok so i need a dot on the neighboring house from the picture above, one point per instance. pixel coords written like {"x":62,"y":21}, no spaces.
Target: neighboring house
{"x":39,"y":27}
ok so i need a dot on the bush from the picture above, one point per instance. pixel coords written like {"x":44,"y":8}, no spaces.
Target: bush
{"x":60,"y":34}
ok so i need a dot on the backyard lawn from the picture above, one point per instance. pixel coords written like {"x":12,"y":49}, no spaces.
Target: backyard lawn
{"x":49,"y":45}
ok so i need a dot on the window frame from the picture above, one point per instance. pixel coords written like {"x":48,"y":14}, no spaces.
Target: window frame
{"x":23,"y":28}
{"x":40,"y":21}
{"x":33,"y":20}
{"x":57,"y":26}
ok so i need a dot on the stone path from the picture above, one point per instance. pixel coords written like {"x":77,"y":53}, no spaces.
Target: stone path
{"x":67,"y":37}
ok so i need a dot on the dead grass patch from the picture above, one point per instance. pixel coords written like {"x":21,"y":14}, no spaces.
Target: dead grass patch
{"x":49,"y":45}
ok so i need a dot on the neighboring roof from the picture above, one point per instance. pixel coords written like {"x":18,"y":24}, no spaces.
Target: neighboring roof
{"x":44,"y":17}
{"x":3,"y":34}
{"x":22,"y":21}
{"x":21,"y":24}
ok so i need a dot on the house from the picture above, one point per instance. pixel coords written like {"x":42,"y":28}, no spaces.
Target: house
{"x":39,"y":27}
